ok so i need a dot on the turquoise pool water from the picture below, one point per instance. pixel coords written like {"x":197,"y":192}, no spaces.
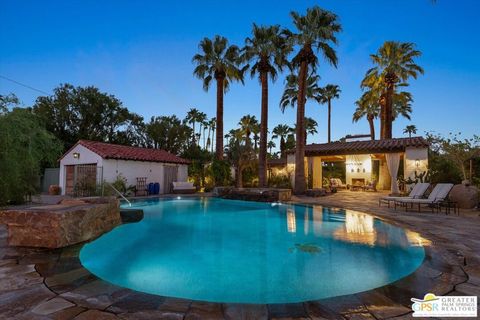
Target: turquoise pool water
{"x":247,"y":252}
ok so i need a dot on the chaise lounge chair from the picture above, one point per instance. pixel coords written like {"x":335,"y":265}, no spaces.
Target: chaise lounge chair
{"x":337,"y":183}
{"x":416,"y":193}
{"x":438,"y":194}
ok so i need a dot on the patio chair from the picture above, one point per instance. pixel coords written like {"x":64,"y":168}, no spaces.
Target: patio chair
{"x":141,"y":186}
{"x":372,"y":186}
{"x":417,"y":192}
{"x":438,"y":194}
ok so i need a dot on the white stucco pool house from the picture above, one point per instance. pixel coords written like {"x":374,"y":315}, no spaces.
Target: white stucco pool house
{"x":92,"y":162}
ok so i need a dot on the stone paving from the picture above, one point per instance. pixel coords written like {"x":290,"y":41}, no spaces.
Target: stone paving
{"x":52,"y":284}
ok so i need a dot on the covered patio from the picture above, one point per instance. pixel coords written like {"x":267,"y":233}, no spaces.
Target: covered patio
{"x":358,"y":163}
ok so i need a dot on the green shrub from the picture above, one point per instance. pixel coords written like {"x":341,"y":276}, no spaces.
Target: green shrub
{"x":26,"y":147}
{"x":220,"y":173}
{"x":279,"y":181}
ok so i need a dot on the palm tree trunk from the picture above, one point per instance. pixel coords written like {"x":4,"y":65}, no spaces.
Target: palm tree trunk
{"x":390,"y":81}
{"x":372,"y":126}
{"x":329,"y":120}
{"x":219,"y":137}
{"x":200,"y":135}
{"x":300,"y":131}
{"x":262,"y":156}
{"x":239,"y":177}
{"x":194,"y":137}
{"x":383,"y":118}
{"x":211,"y":141}
{"x":208,"y":140}
{"x":282,"y":147}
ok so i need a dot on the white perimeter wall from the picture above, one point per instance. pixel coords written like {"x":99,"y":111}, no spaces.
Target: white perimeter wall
{"x":414,"y":156}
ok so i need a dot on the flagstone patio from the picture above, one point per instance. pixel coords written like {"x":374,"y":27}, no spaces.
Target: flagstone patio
{"x":52,"y":284}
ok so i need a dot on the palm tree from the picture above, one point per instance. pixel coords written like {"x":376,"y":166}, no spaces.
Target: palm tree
{"x":205,"y":128}
{"x":201,"y":119}
{"x":219,"y":61}
{"x":270,"y":146}
{"x":267,"y":51}
{"x":366,"y":107}
{"x":410,"y":129}
{"x":290,"y":93}
{"x":211,"y":129}
{"x":213,"y":124}
{"x":316,"y":29}
{"x":394,"y":63}
{"x":281,"y":131}
{"x":247,"y":126}
{"x":310,"y":127}
{"x":192,"y":118}
{"x":369,"y":106}
{"x":329,"y":92}
{"x":240,"y":154}
{"x":256,"y":136}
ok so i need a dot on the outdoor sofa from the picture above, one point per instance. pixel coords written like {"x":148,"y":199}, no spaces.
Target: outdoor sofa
{"x":183,"y":187}
{"x":337,"y":183}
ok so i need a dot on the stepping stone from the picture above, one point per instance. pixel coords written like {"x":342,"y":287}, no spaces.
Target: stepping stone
{"x":233,"y":311}
{"x":51,"y":306}
{"x":152,"y":314}
{"x":95,"y":315}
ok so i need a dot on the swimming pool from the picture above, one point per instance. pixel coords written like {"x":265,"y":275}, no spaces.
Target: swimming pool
{"x":247,"y":252}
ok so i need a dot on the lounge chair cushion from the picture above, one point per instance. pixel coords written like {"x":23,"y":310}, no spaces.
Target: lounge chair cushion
{"x":439,"y":193}
{"x":182,"y":185}
{"x":417,"y":192}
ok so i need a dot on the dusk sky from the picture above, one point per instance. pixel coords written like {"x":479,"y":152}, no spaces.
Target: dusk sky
{"x":141,"y":51}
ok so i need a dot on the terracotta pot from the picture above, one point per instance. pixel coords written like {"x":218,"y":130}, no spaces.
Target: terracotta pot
{"x":54,"y":190}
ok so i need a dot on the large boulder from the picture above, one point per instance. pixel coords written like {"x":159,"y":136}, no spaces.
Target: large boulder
{"x":61,"y":225}
{"x":465,"y":196}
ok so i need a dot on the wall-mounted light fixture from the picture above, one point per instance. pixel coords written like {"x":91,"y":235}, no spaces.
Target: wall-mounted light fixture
{"x":417,"y":163}
{"x":76,"y":155}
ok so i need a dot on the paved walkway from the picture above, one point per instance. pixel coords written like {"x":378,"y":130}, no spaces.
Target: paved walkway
{"x":52,"y":284}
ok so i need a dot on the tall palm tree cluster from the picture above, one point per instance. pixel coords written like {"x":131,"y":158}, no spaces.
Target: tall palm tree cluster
{"x":272,"y":49}
{"x":265,"y":54}
{"x":394,"y":65}
{"x":194,"y":117}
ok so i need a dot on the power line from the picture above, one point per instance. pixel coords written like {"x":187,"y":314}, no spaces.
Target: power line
{"x":24,"y":85}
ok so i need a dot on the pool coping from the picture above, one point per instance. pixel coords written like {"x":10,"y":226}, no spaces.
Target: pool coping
{"x":64,"y":276}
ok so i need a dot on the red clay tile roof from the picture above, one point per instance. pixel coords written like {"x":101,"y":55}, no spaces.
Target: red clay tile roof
{"x":367,"y":146}
{"x":121,"y":152}
{"x":277,"y":162}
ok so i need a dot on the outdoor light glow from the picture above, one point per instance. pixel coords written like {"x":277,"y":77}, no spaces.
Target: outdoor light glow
{"x":76,"y":155}
{"x":178,"y":198}
{"x":291,"y":222}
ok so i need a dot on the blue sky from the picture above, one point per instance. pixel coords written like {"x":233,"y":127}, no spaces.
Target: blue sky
{"x":141,"y":52}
